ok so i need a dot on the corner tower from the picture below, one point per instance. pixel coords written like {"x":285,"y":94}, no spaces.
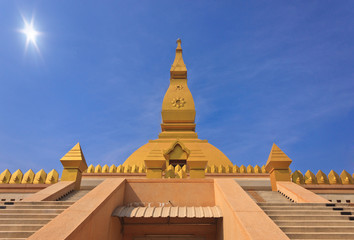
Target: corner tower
{"x":178,"y":143}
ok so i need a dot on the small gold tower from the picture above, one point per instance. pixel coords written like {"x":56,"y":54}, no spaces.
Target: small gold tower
{"x":74,"y":164}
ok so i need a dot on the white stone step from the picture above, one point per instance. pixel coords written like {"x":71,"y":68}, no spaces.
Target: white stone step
{"x":13,"y":238}
{"x":37,"y":203}
{"x":315,"y":235}
{"x":25,"y":215}
{"x":19,"y":220}
{"x":306,"y":212}
{"x":35,"y":207}
{"x":7,"y":211}
{"x":281,"y":208}
{"x":15,"y":234}
{"x":312,"y":220}
{"x":319,"y":229}
{"x":268,"y":196}
{"x":305,"y":204}
{"x":75,"y":195}
{"x":24,"y":221}
{"x":309,"y":217}
{"x":20,"y":227}
{"x":318,"y":222}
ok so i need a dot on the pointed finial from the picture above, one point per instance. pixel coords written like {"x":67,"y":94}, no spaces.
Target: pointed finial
{"x":77,"y":147}
{"x":74,"y":164}
{"x":178,"y":68}
{"x":74,"y":158}
{"x":179,"y":42}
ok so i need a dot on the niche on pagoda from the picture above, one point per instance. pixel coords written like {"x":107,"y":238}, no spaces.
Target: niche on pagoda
{"x":176,"y":154}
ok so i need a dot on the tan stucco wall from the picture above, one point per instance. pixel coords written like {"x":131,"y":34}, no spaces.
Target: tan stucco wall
{"x":299,"y":194}
{"x":181,"y":192}
{"x":51,"y":193}
{"x":242,"y":217}
{"x":90,"y":217}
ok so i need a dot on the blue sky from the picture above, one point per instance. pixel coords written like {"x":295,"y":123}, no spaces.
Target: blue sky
{"x":260,"y":72}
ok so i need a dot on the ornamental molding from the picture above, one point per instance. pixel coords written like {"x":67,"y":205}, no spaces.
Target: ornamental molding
{"x":178,"y":102}
{"x":179,"y":87}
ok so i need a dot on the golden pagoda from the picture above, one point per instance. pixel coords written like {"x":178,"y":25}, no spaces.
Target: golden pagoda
{"x":178,"y":141}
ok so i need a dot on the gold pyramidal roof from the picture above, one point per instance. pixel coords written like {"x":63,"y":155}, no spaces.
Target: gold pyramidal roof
{"x":277,"y":158}
{"x":74,"y":158}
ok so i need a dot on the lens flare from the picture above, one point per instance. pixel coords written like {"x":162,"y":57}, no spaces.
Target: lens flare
{"x":31,"y":33}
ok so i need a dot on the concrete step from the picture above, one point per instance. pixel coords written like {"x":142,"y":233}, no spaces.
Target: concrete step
{"x":305,"y":204}
{"x":306,"y":212}
{"x":312,"y":220}
{"x":7,"y":211}
{"x":75,"y":195}
{"x":19,"y":220}
{"x":309,"y":223}
{"x":24,"y":221}
{"x":309,"y":217}
{"x":267,"y":196}
{"x":34,"y":207}
{"x":315,"y":235}
{"x":307,"y":208}
{"x":20,"y":227}
{"x":15,"y":234}
{"x":26,"y":216}
{"x":13,"y":238}
{"x":68,"y":203}
{"x":319,"y":229}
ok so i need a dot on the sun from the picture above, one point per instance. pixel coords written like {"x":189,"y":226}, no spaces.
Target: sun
{"x":30,"y":32}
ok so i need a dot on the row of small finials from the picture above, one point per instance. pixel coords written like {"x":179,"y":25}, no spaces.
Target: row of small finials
{"x":296,"y":176}
{"x":142,"y":169}
{"x":322,"y":178}
{"x":41,"y":177}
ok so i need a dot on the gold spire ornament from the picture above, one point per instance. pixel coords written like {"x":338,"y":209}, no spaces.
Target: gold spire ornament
{"x":178,"y":110}
{"x":74,"y":164}
{"x":278,"y":166}
{"x":178,"y":68}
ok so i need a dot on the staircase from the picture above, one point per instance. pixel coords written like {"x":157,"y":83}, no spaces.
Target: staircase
{"x":74,"y":195}
{"x":19,"y":220}
{"x":268,"y":196}
{"x":312,"y":220}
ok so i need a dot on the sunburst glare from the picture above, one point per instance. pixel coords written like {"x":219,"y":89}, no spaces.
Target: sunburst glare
{"x":31,"y":33}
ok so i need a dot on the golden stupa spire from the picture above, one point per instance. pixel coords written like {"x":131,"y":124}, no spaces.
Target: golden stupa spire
{"x":178,"y":68}
{"x":178,"y":111}
{"x":178,"y":140}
